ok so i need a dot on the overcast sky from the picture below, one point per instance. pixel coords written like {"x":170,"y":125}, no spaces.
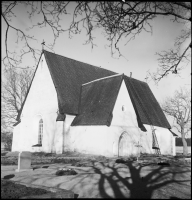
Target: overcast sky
{"x":139,"y":53}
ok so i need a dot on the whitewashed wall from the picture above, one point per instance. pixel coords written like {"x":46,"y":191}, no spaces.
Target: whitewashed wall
{"x":42,"y":103}
{"x":105,"y":140}
{"x":60,"y":136}
{"x":16,"y":138}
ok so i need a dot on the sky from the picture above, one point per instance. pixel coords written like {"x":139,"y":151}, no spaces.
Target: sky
{"x":139,"y":54}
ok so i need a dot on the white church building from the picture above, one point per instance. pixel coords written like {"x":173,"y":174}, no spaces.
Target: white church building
{"x":74,"y":106}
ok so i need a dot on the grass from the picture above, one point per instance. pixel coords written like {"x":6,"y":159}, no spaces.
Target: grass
{"x":50,"y":158}
{"x":11,"y":190}
{"x":73,"y":158}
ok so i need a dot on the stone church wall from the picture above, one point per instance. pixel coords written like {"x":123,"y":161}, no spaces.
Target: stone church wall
{"x":107,"y":140}
{"x":41,"y":103}
{"x":120,"y":138}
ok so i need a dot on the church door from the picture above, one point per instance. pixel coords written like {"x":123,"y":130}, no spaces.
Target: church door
{"x":123,"y":145}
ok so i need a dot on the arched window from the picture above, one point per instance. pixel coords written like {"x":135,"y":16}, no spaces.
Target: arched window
{"x":123,"y":108}
{"x":40,"y":135}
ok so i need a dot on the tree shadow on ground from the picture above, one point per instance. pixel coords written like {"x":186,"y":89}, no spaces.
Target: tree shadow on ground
{"x":128,"y":180}
{"x":138,"y":186}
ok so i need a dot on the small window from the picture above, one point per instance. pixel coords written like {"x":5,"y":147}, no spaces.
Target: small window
{"x":123,"y":108}
{"x":40,"y":135}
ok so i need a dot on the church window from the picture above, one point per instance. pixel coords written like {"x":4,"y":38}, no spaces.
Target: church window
{"x":40,"y":136}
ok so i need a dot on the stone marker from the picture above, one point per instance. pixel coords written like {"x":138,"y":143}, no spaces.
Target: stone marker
{"x":24,"y":161}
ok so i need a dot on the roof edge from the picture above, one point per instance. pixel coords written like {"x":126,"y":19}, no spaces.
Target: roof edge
{"x":110,"y":115}
{"x":76,"y":60}
{"x":18,"y":116}
{"x":103,"y":78}
{"x":173,"y":133}
{"x":142,"y":107}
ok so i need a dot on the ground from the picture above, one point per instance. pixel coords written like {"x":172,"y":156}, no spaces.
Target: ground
{"x":99,"y":177}
{"x":10,"y":190}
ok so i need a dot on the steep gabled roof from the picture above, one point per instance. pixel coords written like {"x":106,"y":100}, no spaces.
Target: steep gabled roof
{"x":97,"y":101}
{"x":173,"y":133}
{"x":145,"y":103}
{"x":19,"y":114}
{"x":68,"y":75}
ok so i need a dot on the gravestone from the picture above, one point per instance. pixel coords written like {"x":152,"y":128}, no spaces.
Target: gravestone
{"x":24,"y":161}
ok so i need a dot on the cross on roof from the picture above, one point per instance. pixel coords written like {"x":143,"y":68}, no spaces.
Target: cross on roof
{"x":43,"y":43}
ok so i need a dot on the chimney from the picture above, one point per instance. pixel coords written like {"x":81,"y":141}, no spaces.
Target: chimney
{"x":130,"y":74}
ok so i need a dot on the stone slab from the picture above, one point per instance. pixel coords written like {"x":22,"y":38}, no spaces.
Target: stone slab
{"x":24,"y":160}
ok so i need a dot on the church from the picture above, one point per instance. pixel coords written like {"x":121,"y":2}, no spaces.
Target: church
{"x":74,"y":106}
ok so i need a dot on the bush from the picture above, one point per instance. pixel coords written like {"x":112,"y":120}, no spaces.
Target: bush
{"x":120,"y":160}
{"x":82,"y":164}
{"x":9,"y":161}
{"x":6,"y":138}
{"x":62,"y":172}
{"x":11,"y":190}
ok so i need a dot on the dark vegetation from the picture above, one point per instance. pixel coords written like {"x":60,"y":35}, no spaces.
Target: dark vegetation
{"x":6,"y":138}
{"x":179,"y":143}
{"x":73,"y":158}
{"x":120,"y":161}
{"x":11,"y":190}
{"x":62,"y":172}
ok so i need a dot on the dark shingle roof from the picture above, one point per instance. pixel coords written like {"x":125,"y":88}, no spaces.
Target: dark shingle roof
{"x":68,"y":75}
{"x":145,"y":103}
{"x":97,"y":101}
{"x":173,"y":133}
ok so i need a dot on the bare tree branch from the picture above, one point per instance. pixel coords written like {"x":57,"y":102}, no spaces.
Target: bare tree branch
{"x":169,"y":62}
{"x":118,"y":20}
{"x":179,"y":107}
{"x":14,"y":90}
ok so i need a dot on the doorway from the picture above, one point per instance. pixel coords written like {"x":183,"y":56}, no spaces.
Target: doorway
{"x":123,"y":149}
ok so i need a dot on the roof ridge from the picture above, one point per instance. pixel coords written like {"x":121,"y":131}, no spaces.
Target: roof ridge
{"x":103,"y":78}
{"x":93,"y":100}
{"x":78,"y":61}
{"x":136,"y":79}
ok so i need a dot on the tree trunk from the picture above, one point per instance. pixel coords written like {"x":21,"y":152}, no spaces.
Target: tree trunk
{"x":185,"y":148}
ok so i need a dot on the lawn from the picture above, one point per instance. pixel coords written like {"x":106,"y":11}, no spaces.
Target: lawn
{"x":11,"y":190}
{"x":11,"y":158}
